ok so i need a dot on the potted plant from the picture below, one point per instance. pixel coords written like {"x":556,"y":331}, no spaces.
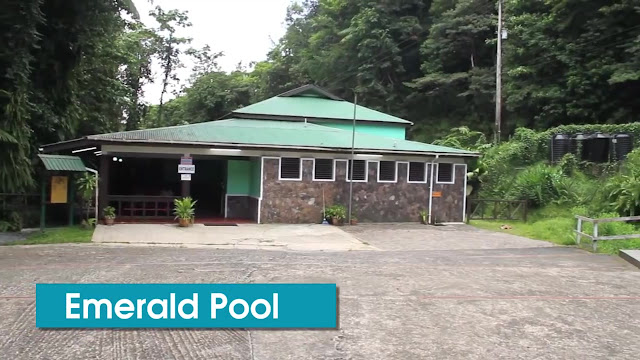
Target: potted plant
{"x":109,"y":215}
{"x":423,"y":217}
{"x":184,"y":210}
{"x":354,"y":220}
{"x":336,"y":214}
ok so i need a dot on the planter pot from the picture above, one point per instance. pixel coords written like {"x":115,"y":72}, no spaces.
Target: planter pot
{"x":109,"y":221}
{"x":336,"y":221}
{"x":354,"y":221}
{"x":184,"y":222}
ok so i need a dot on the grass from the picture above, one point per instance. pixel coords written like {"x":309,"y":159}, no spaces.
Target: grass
{"x":556,"y":224}
{"x":73,"y":234}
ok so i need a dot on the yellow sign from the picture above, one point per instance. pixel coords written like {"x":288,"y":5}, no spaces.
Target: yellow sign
{"x":437,"y":194}
{"x":59,"y":189}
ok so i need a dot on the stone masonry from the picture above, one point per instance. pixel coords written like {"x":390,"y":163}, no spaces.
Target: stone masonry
{"x":301,"y":201}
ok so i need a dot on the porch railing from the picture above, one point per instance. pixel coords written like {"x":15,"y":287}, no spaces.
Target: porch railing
{"x":138,"y":206}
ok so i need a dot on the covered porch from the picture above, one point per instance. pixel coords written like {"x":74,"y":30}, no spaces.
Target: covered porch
{"x":142,"y":186}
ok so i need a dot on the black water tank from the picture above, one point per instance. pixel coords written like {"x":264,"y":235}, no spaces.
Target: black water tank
{"x":622,"y":145}
{"x":596,"y":147}
{"x":560,"y":145}
{"x":577,"y":146}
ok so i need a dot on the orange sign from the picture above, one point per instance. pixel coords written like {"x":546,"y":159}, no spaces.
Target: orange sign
{"x":437,"y":194}
{"x":59,"y":189}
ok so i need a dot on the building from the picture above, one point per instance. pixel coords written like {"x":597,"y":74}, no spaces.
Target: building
{"x":280,"y":161}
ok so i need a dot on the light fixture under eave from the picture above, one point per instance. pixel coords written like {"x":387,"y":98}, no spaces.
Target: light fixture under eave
{"x":85,"y":149}
{"x":115,"y":158}
{"x":98,"y":153}
{"x":369,"y":155}
{"x":120,"y":160}
{"x":226,"y":150}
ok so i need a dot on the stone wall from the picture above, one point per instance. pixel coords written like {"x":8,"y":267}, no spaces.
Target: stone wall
{"x":285,"y":201}
{"x":450,"y":206}
{"x":242,"y":207}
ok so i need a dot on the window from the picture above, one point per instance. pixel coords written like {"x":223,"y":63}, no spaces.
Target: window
{"x":387,"y":171}
{"x":323,"y":170}
{"x":290,"y":169}
{"x":359,"y":170}
{"x":445,"y":173}
{"x":417,"y":172}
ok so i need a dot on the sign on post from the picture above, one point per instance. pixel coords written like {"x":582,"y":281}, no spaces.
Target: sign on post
{"x":59,"y":186}
{"x":185,"y":177}
{"x":186,"y":169}
{"x":185,"y":160}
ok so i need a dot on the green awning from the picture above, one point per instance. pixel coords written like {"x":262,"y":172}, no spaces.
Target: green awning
{"x":62,"y":163}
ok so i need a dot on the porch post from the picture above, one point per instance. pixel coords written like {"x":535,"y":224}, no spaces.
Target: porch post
{"x":186,"y":185}
{"x":103,"y":185}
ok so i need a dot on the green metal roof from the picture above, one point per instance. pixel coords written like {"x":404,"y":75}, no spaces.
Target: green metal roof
{"x":62,"y":163}
{"x":280,"y":134}
{"x":309,"y":106}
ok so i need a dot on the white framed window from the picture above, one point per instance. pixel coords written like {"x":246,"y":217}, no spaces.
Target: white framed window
{"x":417,"y":172}
{"x":387,"y":171}
{"x":324,"y":170}
{"x":290,"y":169}
{"x":360,"y":170}
{"x":445,"y":174}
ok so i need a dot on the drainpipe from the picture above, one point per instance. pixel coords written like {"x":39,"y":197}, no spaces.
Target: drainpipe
{"x":95,"y":172}
{"x":431,"y":187}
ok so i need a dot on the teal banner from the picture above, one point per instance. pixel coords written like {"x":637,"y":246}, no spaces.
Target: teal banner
{"x":186,"y":305}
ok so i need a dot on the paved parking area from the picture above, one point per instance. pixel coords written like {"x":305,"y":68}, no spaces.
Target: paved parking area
{"x":481,"y":296}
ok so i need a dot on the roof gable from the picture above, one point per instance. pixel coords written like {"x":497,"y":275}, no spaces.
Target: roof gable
{"x":310,"y":90}
{"x":300,"y":106}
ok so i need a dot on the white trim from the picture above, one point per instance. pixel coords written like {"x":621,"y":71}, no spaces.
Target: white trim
{"x":464,"y":200}
{"x":333,"y":174}
{"x":431,"y":189}
{"x":366,"y":171}
{"x":453,"y":174}
{"x":395,"y":180}
{"x":426,"y":165}
{"x":280,"y":178}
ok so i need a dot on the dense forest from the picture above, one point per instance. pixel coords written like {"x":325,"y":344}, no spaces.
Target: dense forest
{"x":76,"y":67}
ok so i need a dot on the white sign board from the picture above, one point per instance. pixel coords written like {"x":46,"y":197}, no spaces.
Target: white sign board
{"x":186,"y":161}
{"x":186,"y":169}
{"x":185,"y":177}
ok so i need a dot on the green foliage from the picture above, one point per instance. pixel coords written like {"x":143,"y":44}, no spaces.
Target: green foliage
{"x":535,"y":184}
{"x":87,"y":186}
{"x":184,"y":208}
{"x":624,"y":189}
{"x":338,"y":212}
{"x":109,"y":212}
{"x":75,"y":234}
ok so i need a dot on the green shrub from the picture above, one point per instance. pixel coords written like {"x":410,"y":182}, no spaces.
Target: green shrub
{"x":535,"y":184}
{"x":336,"y":211}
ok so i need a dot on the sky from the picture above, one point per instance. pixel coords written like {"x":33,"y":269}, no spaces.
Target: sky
{"x":245,"y":30}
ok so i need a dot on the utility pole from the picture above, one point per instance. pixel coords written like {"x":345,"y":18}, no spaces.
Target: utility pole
{"x":497,"y":130}
{"x":353,"y":146}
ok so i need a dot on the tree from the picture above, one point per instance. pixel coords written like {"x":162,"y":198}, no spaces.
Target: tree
{"x":169,"y":47}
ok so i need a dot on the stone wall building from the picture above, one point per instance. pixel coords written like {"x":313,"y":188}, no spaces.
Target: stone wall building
{"x":282,"y":160}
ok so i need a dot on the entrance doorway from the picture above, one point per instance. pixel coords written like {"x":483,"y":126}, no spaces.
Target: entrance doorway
{"x":208,"y":186}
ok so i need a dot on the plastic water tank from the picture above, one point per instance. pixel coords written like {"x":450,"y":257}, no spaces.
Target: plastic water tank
{"x":560,"y":145}
{"x":622,"y":144}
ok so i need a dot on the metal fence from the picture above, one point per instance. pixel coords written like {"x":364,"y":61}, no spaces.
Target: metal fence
{"x":595,"y":237}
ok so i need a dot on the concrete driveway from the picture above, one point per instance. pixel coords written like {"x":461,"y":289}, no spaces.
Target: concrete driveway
{"x":265,"y":237}
{"x":442,"y":293}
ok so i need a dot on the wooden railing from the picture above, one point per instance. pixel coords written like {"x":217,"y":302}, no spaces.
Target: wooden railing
{"x":137,"y":206}
{"x":596,"y":237}
{"x":495,"y":209}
